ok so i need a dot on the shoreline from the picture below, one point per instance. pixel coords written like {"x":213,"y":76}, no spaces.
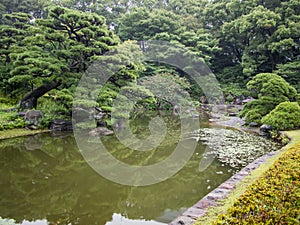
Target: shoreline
{"x":219,"y":200}
{"x":19,"y":132}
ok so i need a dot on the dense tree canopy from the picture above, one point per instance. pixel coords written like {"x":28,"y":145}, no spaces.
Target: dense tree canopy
{"x":46,"y":45}
{"x":52,"y":52}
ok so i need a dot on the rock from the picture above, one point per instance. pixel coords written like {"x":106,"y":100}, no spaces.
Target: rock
{"x":219,"y":108}
{"x":238,"y":101}
{"x":265,"y":130}
{"x":31,"y":127}
{"x":61,"y":125}
{"x":212,"y":120}
{"x":101,"y":123}
{"x":233,"y":114}
{"x":100,"y":131}
{"x":203,"y":100}
{"x":195,"y":116}
{"x":215,"y":116}
{"x":99,"y":116}
{"x":253,"y":124}
{"x":34,"y":117}
{"x":98,"y":109}
{"x":81,"y":115}
{"x":247,"y":100}
{"x":21,"y":114}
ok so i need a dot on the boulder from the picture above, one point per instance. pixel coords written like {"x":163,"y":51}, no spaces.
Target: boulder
{"x":99,"y":117}
{"x":253,"y":124}
{"x":265,"y":130}
{"x":81,"y":115}
{"x":61,"y":125}
{"x":33,"y":117}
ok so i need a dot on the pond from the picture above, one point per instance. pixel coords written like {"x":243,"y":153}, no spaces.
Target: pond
{"x":45,"y":179}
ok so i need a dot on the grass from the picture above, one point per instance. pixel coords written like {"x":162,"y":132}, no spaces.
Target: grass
{"x":4,"y":134}
{"x":270,"y":195}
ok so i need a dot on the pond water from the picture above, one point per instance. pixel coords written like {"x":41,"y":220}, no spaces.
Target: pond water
{"x":45,"y":180}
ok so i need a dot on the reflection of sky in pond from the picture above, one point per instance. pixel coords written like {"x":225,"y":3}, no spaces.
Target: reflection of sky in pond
{"x":118,"y":219}
{"x":37,"y":222}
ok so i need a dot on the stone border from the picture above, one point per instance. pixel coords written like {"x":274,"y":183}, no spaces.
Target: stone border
{"x":200,"y":209}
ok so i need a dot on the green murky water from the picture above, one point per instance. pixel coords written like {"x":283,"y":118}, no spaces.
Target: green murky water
{"x":45,"y":180}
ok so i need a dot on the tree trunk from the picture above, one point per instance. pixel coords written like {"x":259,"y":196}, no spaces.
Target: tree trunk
{"x":30,"y":100}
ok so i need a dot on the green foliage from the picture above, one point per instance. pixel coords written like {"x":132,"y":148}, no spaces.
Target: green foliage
{"x":142,"y":24}
{"x":10,"y":119}
{"x":165,"y":25}
{"x":272,"y":199}
{"x":271,"y":85}
{"x":165,"y":85}
{"x":290,"y":72}
{"x":285,"y":116}
{"x":231,"y":75}
{"x":279,"y":137}
{"x":53,"y":51}
{"x":232,"y":91}
{"x":52,"y":109}
{"x":11,"y":123}
{"x":123,"y":68}
{"x":42,"y":44}
{"x":269,"y":90}
{"x":259,"y":35}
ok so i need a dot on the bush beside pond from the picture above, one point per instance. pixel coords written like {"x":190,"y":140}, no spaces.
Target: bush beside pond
{"x":274,"y":198}
{"x":285,"y":116}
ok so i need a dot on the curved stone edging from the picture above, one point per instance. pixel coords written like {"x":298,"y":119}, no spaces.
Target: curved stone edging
{"x":200,"y":209}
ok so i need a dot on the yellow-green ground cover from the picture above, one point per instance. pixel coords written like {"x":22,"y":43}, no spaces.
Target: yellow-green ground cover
{"x":270,"y":195}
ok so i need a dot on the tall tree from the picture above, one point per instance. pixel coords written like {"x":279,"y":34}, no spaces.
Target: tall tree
{"x":33,"y":7}
{"x":57,"y":50}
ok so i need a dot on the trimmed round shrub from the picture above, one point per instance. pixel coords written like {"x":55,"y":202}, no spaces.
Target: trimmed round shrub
{"x":285,"y":116}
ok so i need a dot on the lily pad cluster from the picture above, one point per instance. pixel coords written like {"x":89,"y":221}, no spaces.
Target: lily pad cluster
{"x":233,"y":147}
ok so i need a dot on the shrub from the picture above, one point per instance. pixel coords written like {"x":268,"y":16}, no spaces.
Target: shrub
{"x":255,"y":110}
{"x":285,"y":116}
{"x":52,"y":110}
{"x":269,"y":90}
